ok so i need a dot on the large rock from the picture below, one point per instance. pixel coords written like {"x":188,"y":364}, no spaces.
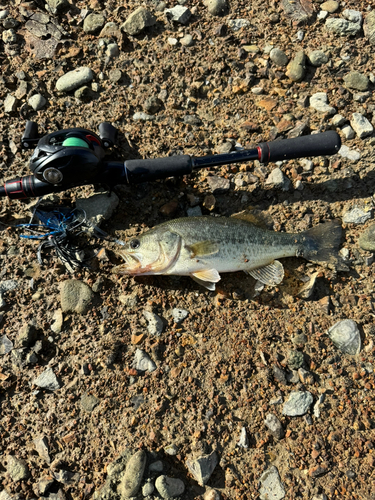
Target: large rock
{"x":138,"y":21}
{"x":76,"y":296}
{"x":74,"y":79}
{"x":132,"y":478}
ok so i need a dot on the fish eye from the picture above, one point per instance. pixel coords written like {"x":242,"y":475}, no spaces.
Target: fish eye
{"x":134,"y":244}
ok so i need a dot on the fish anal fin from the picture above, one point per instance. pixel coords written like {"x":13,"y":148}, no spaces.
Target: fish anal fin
{"x":204,"y":248}
{"x":206,"y":278}
{"x":270,"y":275}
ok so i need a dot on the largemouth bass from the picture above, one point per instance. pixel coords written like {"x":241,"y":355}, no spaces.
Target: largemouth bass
{"x":204,"y":247}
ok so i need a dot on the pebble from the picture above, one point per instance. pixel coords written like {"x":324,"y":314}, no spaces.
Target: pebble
{"x":274,"y":426}
{"x":178,"y":14}
{"x":148,"y":489}
{"x":10,"y":103}
{"x":172,"y":41}
{"x":361,"y":126}
{"x":348,"y":134}
{"x":319,"y":101}
{"x":357,"y":81}
{"x":171,"y":450}
{"x":218,"y":185}
{"x":93,"y":23}
{"x":278,"y":180}
{"x":187,"y":41}
{"x":367,"y":239}
{"x":338,"y":120}
{"x":138,"y":20}
{"x":37,"y":102}
{"x":6,"y":345}
{"x":41,"y":447}
{"x":133,"y":475}
{"x":353,"y":15}
{"x":296,"y":69}
{"x":113,"y":50}
{"x":56,"y":6}
{"x":202,"y":467}
{"x":142,"y":362}
{"x":156,"y":466}
{"x":4,"y":14}
{"x":169,"y":487}
{"x":194,"y":212}
{"x":179,"y":315}
{"x":271,"y":485}
{"x":74,"y":79}
{"x":89,"y":402}
{"x":279,"y":57}
{"x":155,"y":325}
{"x":295,"y":359}
{"x":297,"y":404}
{"x":342,"y":27}
{"x":17,"y":468}
{"x":152,"y":105}
{"x":369,"y":27}
{"x":217,"y":7}
{"x":316,"y":408}
{"x":140,"y":115}
{"x":330,"y":6}
{"x":318,"y":58}
{"x":307,"y":290}
{"x":75,"y":296}
{"x":210,"y":494}
{"x":98,"y":207}
{"x":243,"y":441}
{"x":47,"y":380}
{"x":346,"y":336}
{"x":9,"y":36}
{"x":237,"y":24}
{"x":357,"y":216}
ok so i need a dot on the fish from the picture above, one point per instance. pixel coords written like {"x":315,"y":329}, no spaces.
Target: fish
{"x":203,"y":247}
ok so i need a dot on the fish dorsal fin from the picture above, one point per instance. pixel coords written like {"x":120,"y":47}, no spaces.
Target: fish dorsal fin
{"x":254,"y":217}
{"x":203,"y":248}
{"x":206,"y":278}
{"x":271,"y":275}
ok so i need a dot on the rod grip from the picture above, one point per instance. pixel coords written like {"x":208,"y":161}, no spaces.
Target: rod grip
{"x":138,"y":171}
{"x":326,"y":143}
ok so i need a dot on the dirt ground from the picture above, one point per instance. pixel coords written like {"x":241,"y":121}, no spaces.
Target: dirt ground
{"x":229,"y":363}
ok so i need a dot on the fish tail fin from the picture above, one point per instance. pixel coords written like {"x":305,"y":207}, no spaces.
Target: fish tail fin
{"x":321,"y":243}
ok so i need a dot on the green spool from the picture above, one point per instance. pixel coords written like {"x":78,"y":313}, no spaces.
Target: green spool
{"x":75,"y":142}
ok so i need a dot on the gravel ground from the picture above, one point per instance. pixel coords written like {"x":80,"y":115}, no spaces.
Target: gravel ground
{"x":113,"y":387}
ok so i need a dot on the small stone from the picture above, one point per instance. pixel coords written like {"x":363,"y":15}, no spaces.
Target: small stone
{"x":156,"y":466}
{"x":243,"y":442}
{"x":133,"y":475}
{"x":99,"y":206}
{"x":278,"y":180}
{"x":305,"y":376}
{"x":187,"y":41}
{"x":89,"y":402}
{"x":217,"y":7}
{"x":237,"y":24}
{"x":41,"y":446}
{"x":279,"y":57}
{"x":357,"y":81}
{"x":318,"y":58}
{"x":274,"y":426}
{"x":171,"y":450}
{"x":361,"y":125}
{"x":218,"y":185}
{"x":210,"y":495}
{"x":44,"y":484}
{"x":209,"y":202}
{"x":140,"y":19}
{"x":148,"y":489}
{"x":47,"y":380}
{"x":178,"y":14}
{"x":75,"y":296}
{"x":279,"y":374}
{"x":194,"y":211}
{"x":307,"y":290}
{"x":353,"y":15}
{"x":58,"y":321}
{"x":115,"y":75}
{"x":342,"y":27}
{"x":367,"y":239}
{"x":142,"y":362}
{"x":330,"y":6}
{"x":37,"y":102}
{"x":31,"y":358}
{"x":152,"y":105}
{"x":56,"y":6}
{"x":346,"y":336}
{"x":93,"y":23}
{"x":348,"y":134}
{"x":369,"y":27}
{"x":143,"y":116}
{"x":271,"y":485}
{"x":74,"y":79}
{"x":319,"y":102}
{"x":202,"y":467}
{"x":350,"y":154}
{"x":179,"y":315}
{"x":10,"y":104}
{"x":356,"y":216}
{"x":6,"y":345}
{"x":169,"y":209}
{"x":298,"y":403}
{"x":316,"y":408}
{"x":169,"y":487}
{"x":338,"y":120}
{"x":112,"y":50}
{"x":172,"y":41}
{"x":295,"y":360}
{"x":296,"y":68}
{"x":9,"y":36}
{"x":17,"y":468}
{"x":155,"y":325}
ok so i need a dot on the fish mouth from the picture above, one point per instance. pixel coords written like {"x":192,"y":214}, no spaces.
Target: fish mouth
{"x":133,"y":262}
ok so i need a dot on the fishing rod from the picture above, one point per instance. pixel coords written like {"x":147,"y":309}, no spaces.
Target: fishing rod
{"x":76,"y":157}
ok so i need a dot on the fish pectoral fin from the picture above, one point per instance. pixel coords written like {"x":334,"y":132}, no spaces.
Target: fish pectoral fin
{"x":206,"y":278}
{"x":204,"y":248}
{"x":271,"y":275}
